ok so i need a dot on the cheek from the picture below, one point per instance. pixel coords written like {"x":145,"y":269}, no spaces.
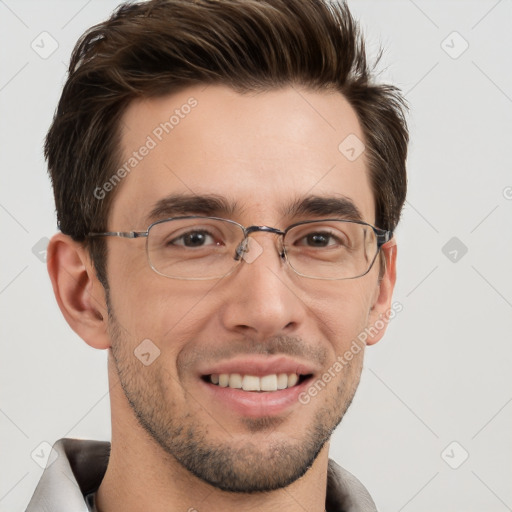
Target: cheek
{"x":342,"y":312}
{"x":166,"y":311}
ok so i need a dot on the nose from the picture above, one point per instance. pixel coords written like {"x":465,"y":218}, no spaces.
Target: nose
{"x":261,"y":299}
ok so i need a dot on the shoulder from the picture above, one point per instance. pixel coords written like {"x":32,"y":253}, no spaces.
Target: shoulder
{"x":345,"y":492}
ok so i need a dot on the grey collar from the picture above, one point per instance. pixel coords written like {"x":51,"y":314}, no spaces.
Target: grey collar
{"x":80,"y":465}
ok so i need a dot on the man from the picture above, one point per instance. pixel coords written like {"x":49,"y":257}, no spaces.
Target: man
{"x":227,"y":180}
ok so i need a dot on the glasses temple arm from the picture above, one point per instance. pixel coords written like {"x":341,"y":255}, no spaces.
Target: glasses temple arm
{"x":122,"y":234}
{"x":383,"y":236}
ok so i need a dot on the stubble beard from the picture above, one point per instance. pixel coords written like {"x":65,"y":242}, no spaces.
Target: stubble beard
{"x":246,"y":468}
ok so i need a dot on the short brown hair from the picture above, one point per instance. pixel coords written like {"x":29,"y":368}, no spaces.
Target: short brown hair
{"x":154,"y":48}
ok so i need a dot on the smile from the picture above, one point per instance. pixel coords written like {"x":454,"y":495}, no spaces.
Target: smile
{"x":254,"y":386}
{"x":270,"y":382}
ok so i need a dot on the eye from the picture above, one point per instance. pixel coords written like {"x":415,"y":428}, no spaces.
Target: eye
{"x":318,"y":240}
{"x":198,"y":238}
{"x":321,"y":239}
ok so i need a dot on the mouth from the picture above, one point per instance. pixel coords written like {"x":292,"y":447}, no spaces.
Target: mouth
{"x":256,"y":384}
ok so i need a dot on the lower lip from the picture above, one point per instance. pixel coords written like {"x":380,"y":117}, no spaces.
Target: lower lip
{"x":254,"y":404}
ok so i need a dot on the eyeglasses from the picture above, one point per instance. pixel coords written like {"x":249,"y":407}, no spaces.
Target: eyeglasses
{"x":201,"y":248}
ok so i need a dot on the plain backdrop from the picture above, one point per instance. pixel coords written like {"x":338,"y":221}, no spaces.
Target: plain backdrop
{"x":430,"y":425}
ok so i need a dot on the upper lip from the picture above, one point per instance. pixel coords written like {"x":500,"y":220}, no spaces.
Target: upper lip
{"x":259,"y":366}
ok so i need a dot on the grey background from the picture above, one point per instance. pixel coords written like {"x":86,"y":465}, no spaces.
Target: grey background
{"x":442,"y":372}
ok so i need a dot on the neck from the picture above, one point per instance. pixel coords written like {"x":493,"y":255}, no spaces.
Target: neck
{"x":142,"y":476}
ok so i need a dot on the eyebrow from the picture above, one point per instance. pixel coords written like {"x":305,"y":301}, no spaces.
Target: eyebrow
{"x":210,"y":205}
{"x":319,"y":206}
{"x":213,"y":205}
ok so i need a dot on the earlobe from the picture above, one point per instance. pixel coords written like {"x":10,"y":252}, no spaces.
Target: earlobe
{"x":79,"y":294}
{"x":381,"y":301}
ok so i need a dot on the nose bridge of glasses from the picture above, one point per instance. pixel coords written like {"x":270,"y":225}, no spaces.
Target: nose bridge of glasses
{"x":266,"y":229}
{"x":244,"y":244}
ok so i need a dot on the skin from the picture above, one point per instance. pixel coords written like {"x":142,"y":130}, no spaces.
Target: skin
{"x":260,"y":151}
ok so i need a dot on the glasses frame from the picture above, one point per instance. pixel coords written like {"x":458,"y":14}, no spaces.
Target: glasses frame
{"x":382,"y":236}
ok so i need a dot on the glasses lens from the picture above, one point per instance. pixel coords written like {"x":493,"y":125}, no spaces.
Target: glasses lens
{"x":331,"y":249}
{"x":193,"y":248}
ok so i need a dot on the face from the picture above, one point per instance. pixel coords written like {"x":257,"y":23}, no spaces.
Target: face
{"x":258,"y":155}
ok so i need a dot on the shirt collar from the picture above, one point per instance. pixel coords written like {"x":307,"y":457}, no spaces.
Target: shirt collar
{"x":78,"y":467}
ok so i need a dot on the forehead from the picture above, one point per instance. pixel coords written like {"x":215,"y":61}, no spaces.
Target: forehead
{"x":258,"y":152}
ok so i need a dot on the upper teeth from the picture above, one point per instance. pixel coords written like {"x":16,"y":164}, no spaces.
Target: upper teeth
{"x":271,"y":382}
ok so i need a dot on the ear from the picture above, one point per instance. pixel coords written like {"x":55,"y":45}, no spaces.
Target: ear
{"x":79,"y":293}
{"x":381,"y":303}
